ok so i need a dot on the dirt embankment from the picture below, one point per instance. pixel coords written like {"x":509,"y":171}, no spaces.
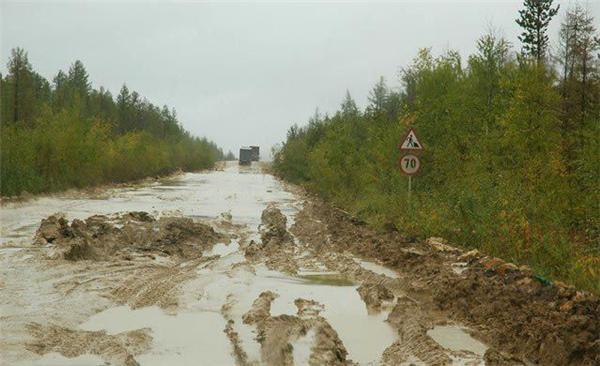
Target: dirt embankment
{"x":512,"y":309}
{"x":132,"y":234}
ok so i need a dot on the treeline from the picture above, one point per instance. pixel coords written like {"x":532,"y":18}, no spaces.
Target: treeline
{"x":64,"y":133}
{"x":512,"y":150}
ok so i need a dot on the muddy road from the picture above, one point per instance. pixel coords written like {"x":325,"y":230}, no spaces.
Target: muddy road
{"x":233,"y":267}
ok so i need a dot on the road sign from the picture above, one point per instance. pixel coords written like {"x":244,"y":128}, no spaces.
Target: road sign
{"x":411,"y":142}
{"x":410,"y":164}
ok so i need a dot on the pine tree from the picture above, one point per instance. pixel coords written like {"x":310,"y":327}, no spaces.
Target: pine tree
{"x":123,"y":108}
{"x":349,"y":108}
{"x":20,"y":80}
{"x":78,"y":79}
{"x":534,"y":20}
{"x":378,"y":96}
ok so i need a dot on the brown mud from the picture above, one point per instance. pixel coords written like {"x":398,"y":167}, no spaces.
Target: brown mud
{"x":277,"y":333}
{"x":125,"y":236}
{"x":119,"y":348}
{"x":511,"y":309}
{"x":130,"y":258}
{"x":254,"y":281}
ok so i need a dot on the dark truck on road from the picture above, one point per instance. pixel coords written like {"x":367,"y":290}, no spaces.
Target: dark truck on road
{"x":245,"y":156}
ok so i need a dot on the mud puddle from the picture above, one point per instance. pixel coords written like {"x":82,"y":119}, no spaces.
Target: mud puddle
{"x":376,"y":268}
{"x":455,"y":338}
{"x":180,"y":339}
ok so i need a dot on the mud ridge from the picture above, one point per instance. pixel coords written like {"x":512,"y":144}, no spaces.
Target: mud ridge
{"x":277,"y":333}
{"x":515,"y":311}
{"x":119,"y":349}
{"x":126,"y":236}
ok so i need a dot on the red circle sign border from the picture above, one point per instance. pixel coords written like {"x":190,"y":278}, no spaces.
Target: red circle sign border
{"x":414,"y":156}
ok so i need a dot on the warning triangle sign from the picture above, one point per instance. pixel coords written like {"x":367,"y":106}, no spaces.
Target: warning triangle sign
{"x":411,"y":142}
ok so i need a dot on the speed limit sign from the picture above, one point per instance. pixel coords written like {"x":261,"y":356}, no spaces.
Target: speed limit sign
{"x":410,"y":164}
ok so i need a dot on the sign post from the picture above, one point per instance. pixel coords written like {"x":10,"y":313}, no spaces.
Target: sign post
{"x":410,"y":163}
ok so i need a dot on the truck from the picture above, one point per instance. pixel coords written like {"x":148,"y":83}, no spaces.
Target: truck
{"x":245,"y":156}
{"x":255,"y":152}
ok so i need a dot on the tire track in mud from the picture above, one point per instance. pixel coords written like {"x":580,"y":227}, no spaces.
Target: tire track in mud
{"x":414,"y":341}
{"x":157,"y":285}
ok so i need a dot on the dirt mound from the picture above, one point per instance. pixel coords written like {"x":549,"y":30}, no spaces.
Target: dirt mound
{"x":308,"y":308}
{"x":273,"y":226}
{"x":131,"y":234}
{"x":272,"y":247}
{"x":277,"y":333}
{"x":413,"y":340}
{"x":118,"y":349}
{"x":375,"y":295}
{"x":545,"y":323}
{"x":261,"y":308}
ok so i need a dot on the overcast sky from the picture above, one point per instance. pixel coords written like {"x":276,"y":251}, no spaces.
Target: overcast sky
{"x":242,"y":73}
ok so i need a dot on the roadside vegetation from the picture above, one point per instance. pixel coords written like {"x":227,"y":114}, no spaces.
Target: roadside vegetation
{"x":512,"y":149}
{"x":61,"y":134}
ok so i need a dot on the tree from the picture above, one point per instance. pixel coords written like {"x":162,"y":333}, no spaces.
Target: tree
{"x":123,"y":109}
{"x":349,"y":108}
{"x":378,"y":96}
{"x":585,"y":44}
{"x":20,"y":82}
{"x":580,"y":84}
{"x":486,"y":65}
{"x":534,"y":20}
{"x":78,"y":79}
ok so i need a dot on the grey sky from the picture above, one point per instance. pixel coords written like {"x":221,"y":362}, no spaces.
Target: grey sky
{"x":242,"y":73}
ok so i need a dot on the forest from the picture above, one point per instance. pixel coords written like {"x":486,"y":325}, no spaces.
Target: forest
{"x":511,"y":148}
{"x":62,"y":134}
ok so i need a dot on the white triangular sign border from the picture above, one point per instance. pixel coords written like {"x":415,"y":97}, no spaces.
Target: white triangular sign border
{"x":411,"y":137}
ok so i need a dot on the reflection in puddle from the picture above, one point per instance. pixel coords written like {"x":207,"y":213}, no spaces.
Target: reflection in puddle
{"x":333,"y":279}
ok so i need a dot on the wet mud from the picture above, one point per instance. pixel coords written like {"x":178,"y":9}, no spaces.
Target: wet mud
{"x":251,"y":271}
{"x":523,"y":319}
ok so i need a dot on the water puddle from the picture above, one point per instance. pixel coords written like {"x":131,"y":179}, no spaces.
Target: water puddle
{"x":376,"y":268}
{"x":343,"y":309}
{"x":302,"y":348}
{"x":223,"y":249}
{"x":455,"y":338}
{"x":56,"y":359}
{"x":180,"y":339}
